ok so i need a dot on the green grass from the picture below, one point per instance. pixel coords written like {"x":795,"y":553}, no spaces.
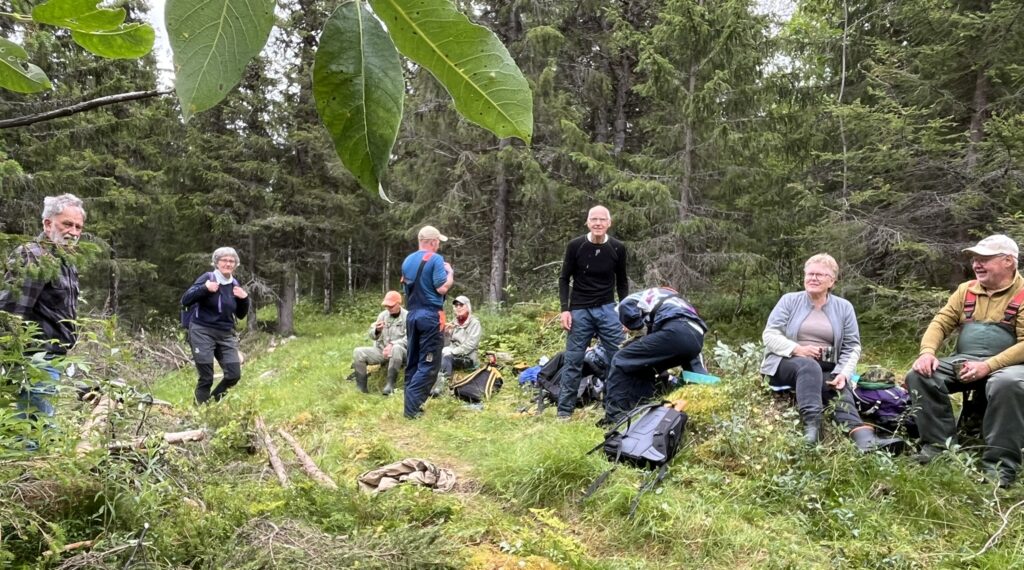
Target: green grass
{"x":743,"y":493}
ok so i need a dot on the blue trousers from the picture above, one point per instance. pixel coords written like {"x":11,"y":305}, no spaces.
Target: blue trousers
{"x":37,"y":399}
{"x":601,"y":322}
{"x":423,"y":329}
{"x":634,"y":368}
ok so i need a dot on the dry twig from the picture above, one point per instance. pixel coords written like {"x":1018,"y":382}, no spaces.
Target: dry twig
{"x":308,"y":465}
{"x":275,"y":459}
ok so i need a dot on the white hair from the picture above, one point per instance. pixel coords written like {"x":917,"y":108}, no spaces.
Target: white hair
{"x":54,"y":205}
{"x":225,"y":252}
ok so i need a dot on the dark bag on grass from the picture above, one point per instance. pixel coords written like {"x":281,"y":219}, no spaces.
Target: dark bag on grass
{"x":479,"y":385}
{"x":648,"y":437}
{"x":881,"y":401}
{"x":549,"y":379}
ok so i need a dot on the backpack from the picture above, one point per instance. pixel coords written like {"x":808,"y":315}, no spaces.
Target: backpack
{"x":479,"y":385}
{"x":549,"y":379}
{"x":880,"y":399}
{"x":648,"y":437}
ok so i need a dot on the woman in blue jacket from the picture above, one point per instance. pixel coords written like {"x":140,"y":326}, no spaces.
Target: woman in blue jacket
{"x":214,"y":302}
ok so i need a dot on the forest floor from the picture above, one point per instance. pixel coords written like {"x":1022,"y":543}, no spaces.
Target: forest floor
{"x":742,"y":493}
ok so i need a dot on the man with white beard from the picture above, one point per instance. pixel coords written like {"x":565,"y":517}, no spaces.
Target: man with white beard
{"x":41,"y":285}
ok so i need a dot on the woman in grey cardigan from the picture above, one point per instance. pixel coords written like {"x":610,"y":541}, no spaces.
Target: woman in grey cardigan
{"x":812,"y":345}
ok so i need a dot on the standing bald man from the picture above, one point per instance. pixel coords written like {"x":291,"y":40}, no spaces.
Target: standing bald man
{"x":593,"y":270}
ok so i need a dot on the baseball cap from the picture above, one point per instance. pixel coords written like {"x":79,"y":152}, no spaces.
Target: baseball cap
{"x":995,"y":245}
{"x":391,"y":299}
{"x":430,"y":232}
{"x":462,"y":300}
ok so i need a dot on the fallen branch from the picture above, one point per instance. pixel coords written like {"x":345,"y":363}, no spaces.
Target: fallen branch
{"x":177,"y":437}
{"x":79,"y":107}
{"x":70,"y":547}
{"x":99,"y":416}
{"x":308,"y":465}
{"x":275,"y":459}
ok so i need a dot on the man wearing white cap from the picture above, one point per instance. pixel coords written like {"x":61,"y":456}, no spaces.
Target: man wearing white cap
{"x":427,"y":278}
{"x":988,"y":364}
{"x":463,"y":335}
{"x":389,"y":337}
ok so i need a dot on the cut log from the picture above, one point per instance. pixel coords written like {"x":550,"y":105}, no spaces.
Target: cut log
{"x":70,"y":547}
{"x":275,"y":458}
{"x":90,"y":427}
{"x":308,"y":465}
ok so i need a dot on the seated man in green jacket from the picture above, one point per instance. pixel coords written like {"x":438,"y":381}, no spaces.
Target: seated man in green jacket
{"x":989,"y":361}
{"x":463,"y":339}
{"x":388,"y":334}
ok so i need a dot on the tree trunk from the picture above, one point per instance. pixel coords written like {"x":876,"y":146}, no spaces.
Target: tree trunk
{"x":328,"y":284}
{"x":286,"y":304}
{"x":499,"y":253}
{"x":384,"y":285}
{"x":348,"y":264}
{"x":251,"y":321}
{"x":979,"y":117}
{"x":110,"y":306}
{"x":686,"y":181}
{"x":623,"y":84}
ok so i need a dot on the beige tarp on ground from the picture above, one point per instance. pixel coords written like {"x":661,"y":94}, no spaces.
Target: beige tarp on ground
{"x":412,"y":470}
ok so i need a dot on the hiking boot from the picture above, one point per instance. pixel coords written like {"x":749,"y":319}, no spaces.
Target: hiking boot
{"x":390,"y":386}
{"x":361,"y":381}
{"x":438,"y":388}
{"x":812,"y":430}
{"x":563,"y":417}
{"x":866,"y":441}
{"x":927,"y":454}
{"x":998,"y":475}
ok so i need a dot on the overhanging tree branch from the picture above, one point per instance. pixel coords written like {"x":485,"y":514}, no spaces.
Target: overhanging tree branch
{"x":79,"y":107}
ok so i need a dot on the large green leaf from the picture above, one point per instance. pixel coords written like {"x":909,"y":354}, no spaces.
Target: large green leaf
{"x":16,"y":73}
{"x":359,"y":89}
{"x":127,"y":42}
{"x":469,"y":60}
{"x":213,"y":40}
{"x":81,"y":15}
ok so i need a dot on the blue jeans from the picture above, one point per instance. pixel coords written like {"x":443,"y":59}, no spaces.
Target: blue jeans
{"x":423,"y":330}
{"x":36,"y":400}
{"x":601,"y":322}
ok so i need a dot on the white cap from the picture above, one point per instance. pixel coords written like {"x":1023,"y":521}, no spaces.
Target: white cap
{"x":430,"y":232}
{"x":995,"y":245}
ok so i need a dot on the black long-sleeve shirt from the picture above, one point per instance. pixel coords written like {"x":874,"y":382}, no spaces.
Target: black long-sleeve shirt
{"x":596,"y":272}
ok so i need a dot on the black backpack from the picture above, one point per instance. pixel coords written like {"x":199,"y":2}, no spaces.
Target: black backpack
{"x":549,"y":380}
{"x":648,"y":437}
{"x":479,"y":385}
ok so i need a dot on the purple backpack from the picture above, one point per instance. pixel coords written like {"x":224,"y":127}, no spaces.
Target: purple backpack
{"x":877,"y":395}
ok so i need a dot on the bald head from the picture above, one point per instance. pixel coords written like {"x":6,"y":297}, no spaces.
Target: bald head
{"x":599,"y":219}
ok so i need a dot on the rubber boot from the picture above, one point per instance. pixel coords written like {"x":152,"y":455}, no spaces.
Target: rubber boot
{"x":812,"y":430}
{"x":438,"y":388}
{"x":361,"y":381}
{"x":866,"y":441}
{"x":390,"y":386}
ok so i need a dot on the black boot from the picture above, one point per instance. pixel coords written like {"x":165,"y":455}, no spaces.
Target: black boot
{"x":812,"y":430}
{"x":866,"y":441}
{"x":390,"y":386}
{"x":361,"y":382}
